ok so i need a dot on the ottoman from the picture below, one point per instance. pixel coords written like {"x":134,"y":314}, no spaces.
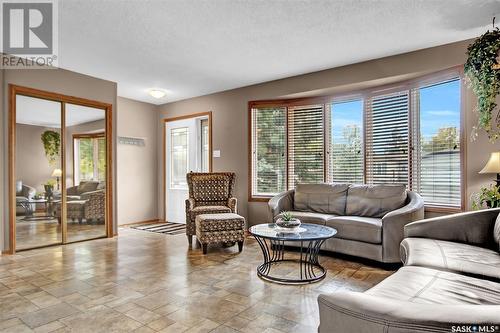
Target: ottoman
{"x":220,"y":228}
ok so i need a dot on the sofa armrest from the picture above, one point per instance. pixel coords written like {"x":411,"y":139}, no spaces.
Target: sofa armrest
{"x":92,"y":194}
{"x":233,"y":204}
{"x":73,"y":190}
{"x":393,"y":224}
{"x":279,"y":203}
{"x":28,"y":191}
{"x":474,"y":227}
{"x":189,"y":204}
{"x":362,"y":313}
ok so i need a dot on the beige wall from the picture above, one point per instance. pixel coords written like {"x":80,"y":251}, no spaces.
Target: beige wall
{"x":137,"y":166}
{"x":54,"y":80}
{"x":230,"y":112}
{"x":32,"y":166}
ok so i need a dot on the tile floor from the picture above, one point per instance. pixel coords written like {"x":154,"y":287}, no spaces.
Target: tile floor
{"x":147,"y":282}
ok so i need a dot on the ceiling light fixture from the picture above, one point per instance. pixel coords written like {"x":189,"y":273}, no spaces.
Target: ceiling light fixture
{"x":157,"y":93}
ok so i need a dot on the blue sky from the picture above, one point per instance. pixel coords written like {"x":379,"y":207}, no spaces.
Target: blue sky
{"x":439,"y":107}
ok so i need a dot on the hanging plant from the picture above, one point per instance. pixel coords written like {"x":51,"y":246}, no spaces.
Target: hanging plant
{"x":51,"y":143}
{"x":483,"y":74}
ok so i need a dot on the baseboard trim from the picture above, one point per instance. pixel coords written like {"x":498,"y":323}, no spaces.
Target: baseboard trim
{"x":141,"y":222}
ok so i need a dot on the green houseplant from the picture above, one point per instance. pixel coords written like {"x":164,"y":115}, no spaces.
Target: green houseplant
{"x":483,"y":75}
{"x":287,"y":220}
{"x":488,"y":196}
{"x":51,"y":143}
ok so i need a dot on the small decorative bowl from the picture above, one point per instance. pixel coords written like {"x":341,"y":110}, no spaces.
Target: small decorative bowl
{"x":293,"y":223}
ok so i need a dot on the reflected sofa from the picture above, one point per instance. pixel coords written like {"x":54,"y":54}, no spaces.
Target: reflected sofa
{"x":23,"y":193}
{"x":369,"y":219}
{"x":451,"y":277}
{"x":209,"y":193}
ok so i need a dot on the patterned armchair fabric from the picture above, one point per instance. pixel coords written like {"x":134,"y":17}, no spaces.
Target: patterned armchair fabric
{"x":209,"y":193}
{"x":95,"y":206}
{"x":91,"y":207}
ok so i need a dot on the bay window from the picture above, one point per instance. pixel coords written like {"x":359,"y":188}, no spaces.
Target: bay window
{"x":406,"y":134}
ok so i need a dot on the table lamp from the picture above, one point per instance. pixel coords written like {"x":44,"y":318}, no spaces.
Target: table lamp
{"x":57,"y":173}
{"x":493,"y":166}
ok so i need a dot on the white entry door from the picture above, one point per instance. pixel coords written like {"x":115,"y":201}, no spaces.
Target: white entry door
{"x":186,"y":151}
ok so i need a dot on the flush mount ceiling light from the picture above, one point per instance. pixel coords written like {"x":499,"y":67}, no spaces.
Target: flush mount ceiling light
{"x":157,"y":93}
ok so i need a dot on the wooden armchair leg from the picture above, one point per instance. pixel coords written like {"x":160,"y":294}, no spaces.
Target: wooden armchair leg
{"x":240,"y":246}
{"x":205,"y":248}
{"x":190,"y":240}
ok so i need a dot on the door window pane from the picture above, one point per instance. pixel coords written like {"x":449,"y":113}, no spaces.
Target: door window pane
{"x":179,"y":158}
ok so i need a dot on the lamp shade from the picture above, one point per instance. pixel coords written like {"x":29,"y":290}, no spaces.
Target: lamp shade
{"x":57,"y":173}
{"x":493,"y":164}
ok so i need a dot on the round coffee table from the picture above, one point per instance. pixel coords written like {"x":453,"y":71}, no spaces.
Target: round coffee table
{"x":309,"y":238}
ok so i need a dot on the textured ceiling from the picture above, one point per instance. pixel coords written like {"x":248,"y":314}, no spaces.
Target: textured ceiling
{"x":192,"y":48}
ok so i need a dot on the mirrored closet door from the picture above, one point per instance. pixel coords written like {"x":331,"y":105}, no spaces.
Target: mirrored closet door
{"x":60,"y":162}
{"x":37,"y":172}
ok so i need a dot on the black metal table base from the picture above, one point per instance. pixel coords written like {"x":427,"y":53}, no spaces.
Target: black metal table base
{"x":309,"y":269}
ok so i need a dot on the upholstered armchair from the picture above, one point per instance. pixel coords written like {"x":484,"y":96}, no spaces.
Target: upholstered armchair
{"x":209,"y":193}
{"x":95,"y":206}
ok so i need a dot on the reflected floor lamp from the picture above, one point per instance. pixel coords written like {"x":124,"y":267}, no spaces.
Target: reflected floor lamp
{"x":493,"y":166}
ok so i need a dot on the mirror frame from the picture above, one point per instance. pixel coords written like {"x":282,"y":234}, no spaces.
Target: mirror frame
{"x":15,"y":90}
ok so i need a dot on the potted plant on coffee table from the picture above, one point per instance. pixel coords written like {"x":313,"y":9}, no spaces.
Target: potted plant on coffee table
{"x":288,"y":221}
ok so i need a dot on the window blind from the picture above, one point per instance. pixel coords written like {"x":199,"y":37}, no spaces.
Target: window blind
{"x":345,"y":142}
{"x":436,"y":157}
{"x":268,"y":151}
{"x":387,"y":138}
{"x":305,"y":145}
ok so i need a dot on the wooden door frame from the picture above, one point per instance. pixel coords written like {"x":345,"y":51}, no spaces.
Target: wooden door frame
{"x":164,"y":154}
{"x":15,"y":90}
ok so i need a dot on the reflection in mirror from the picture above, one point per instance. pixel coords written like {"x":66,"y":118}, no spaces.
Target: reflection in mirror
{"x":85,"y":172}
{"x":37,"y":171}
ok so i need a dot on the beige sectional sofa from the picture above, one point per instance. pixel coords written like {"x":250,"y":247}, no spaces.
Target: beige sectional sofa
{"x":369,"y":218}
{"x":451,"y":278}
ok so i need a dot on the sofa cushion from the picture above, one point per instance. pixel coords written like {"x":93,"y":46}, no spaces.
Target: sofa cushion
{"x":101,"y":185}
{"x":365,"y":229}
{"x":87,"y":186}
{"x":456,"y":257}
{"x":309,"y":217}
{"x":321,"y":198}
{"x":374,"y":200}
{"x":430,"y":286}
{"x":496,"y":232}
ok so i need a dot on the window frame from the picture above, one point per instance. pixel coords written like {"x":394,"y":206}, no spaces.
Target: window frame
{"x":78,"y":136}
{"x":365,"y":94}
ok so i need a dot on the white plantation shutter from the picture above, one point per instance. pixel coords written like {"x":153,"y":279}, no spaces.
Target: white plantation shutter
{"x":345,"y":142}
{"x":436,"y":173}
{"x":305,"y":145}
{"x":387,"y":147}
{"x":268,"y":151}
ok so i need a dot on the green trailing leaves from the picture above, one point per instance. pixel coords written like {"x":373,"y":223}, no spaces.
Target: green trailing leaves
{"x":484,"y":80}
{"x":51,"y":143}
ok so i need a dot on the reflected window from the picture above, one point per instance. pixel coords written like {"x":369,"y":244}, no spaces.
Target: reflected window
{"x":90,"y":157}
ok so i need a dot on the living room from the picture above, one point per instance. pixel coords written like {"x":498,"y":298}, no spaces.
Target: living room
{"x":357,"y":129}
